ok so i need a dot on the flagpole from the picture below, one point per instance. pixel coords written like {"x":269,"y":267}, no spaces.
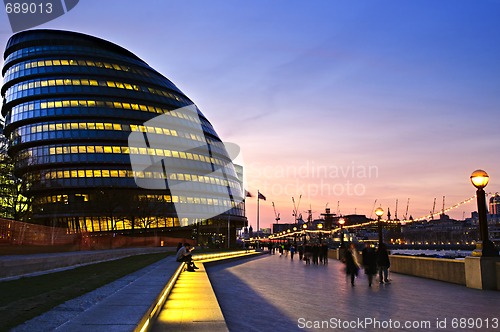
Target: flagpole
{"x":258,"y":234}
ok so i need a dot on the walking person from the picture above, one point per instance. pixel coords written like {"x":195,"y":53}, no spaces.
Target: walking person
{"x":383,"y":263}
{"x":351,"y":263}
{"x":324,"y":253}
{"x":308,"y":254}
{"x":370,"y":263}
{"x":292,"y":252}
{"x":315,"y":253}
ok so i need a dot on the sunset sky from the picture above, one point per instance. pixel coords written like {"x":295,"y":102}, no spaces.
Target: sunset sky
{"x":342,"y":102}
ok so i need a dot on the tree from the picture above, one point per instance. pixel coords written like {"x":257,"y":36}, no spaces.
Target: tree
{"x":13,"y":204}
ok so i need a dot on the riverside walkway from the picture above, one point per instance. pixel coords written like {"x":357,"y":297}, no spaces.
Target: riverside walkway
{"x":273,"y":293}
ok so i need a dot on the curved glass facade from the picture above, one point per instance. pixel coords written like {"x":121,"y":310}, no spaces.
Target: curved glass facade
{"x":71,"y":104}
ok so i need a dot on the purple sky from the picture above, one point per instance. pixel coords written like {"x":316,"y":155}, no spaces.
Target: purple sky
{"x":337,"y":101}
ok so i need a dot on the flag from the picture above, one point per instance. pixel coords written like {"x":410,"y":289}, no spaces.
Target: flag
{"x":248,"y":194}
{"x":262,"y":196}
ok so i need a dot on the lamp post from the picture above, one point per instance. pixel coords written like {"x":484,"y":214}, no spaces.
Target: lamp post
{"x":320,"y":227}
{"x":295,"y":237}
{"x":379,"y":212}
{"x":304,"y":227}
{"x":479,"y":179}
{"x":341,"y":223}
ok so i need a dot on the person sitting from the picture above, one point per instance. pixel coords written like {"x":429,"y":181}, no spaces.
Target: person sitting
{"x":184,"y":255}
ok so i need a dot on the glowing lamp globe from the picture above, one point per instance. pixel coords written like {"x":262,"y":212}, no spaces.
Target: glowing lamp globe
{"x":479,"y":178}
{"x":379,"y":212}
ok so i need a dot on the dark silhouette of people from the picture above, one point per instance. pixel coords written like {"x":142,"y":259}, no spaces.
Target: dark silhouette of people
{"x":315,"y":253}
{"x":351,"y":263}
{"x":308,"y":254}
{"x":184,"y":255}
{"x":370,"y":263}
{"x":383,"y":263}
{"x":324,"y":254}
{"x":301,"y":252}
{"x":292,"y":252}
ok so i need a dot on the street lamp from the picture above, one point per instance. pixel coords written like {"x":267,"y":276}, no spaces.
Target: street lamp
{"x":304,"y":227}
{"x":295,"y":237}
{"x":479,"y":179}
{"x":379,"y":212}
{"x":320,"y":227}
{"x":341,"y":223}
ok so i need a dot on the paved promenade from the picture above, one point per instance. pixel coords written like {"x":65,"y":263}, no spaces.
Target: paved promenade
{"x":191,"y":306}
{"x":272,"y":293}
{"x":127,"y":304}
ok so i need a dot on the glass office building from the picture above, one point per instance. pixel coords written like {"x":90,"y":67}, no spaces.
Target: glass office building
{"x":71,"y":102}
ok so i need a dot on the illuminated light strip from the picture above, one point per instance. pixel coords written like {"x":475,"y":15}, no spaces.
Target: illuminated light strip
{"x":145,"y":326}
{"x":374,"y":222}
{"x":201,"y":257}
{"x":162,"y":297}
{"x":173,"y":280}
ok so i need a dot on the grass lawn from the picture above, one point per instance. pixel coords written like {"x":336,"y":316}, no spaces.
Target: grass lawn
{"x":25,"y":298}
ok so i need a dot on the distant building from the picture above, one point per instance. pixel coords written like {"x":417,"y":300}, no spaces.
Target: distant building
{"x":278,"y":228}
{"x":495,"y":205}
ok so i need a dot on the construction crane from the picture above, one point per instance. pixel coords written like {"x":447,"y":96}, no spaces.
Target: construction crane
{"x":433,"y":209}
{"x":442,"y":211}
{"x":373,"y":208}
{"x":277,"y":215}
{"x":407,"y":206}
{"x":296,"y":209}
